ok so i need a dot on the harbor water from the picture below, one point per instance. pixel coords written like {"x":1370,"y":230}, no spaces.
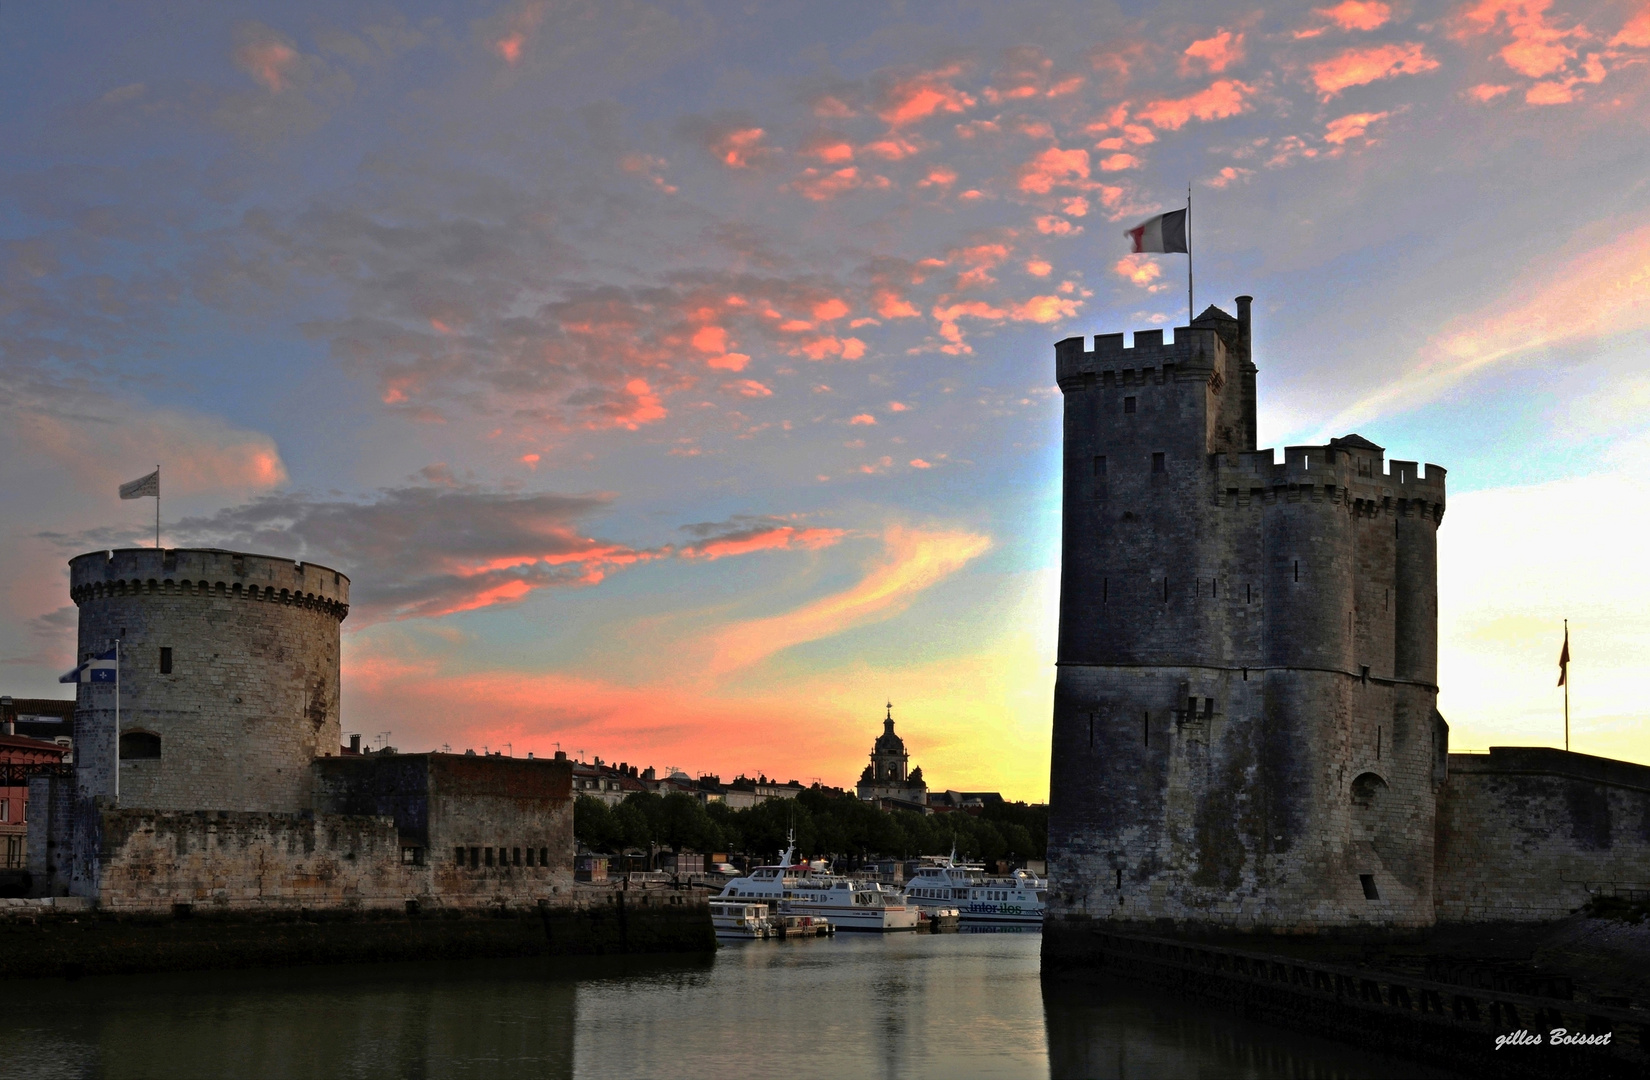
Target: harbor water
{"x":904,"y":1006}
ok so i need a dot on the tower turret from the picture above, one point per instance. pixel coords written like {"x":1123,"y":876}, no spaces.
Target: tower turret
{"x":1244,"y":722}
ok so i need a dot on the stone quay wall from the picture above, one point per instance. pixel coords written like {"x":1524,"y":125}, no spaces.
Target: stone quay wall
{"x":230,"y":659}
{"x":1531,"y":833}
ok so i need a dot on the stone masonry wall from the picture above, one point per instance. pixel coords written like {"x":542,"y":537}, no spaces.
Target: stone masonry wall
{"x":1529,"y":833}
{"x":252,"y":696}
{"x":1237,"y":740}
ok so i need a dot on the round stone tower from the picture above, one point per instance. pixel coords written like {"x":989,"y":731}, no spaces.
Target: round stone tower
{"x":228,"y":677}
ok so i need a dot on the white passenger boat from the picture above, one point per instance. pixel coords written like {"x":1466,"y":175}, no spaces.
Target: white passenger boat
{"x":848,"y":903}
{"x":740,"y":921}
{"x":1017,"y":899}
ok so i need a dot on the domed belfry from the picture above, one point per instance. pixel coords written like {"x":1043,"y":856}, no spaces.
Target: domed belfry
{"x":1245,"y":732}
{"x":887,"y":776}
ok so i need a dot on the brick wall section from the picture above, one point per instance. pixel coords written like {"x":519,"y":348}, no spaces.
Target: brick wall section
{"x":252,"y":696}
{"x":1244,"y":721}
{"x":1527,"y":833}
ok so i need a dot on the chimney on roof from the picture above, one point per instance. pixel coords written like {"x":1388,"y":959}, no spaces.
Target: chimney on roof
{"x":561,"y":755}
{"x":355,"y":744}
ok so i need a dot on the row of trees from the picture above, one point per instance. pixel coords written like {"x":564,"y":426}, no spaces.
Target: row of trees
{"x":824,"y":826}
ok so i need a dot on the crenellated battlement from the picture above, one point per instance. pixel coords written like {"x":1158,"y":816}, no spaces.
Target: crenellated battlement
{"x":1195,"y":352}
{"x":208,"y":571}
{"x":1343,"y":473}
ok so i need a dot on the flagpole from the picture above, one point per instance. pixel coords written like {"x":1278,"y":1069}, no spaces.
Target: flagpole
{"x":157,"y":507}
{"x":117,"y":717}
{"x":1191,"y":307}
{"x":1566,"y":689}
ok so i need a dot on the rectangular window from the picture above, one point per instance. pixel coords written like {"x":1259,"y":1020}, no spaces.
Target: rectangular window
{"x":487,"y":856}
{"x":1145,"y":729}
{"x":5,"y":809}
{"x":1368,"y":882}
{"x":166,"y":659}
{"x":1158,"y":464}
{"x":1100,"y":466}
{"x":544,"y":856}
{"x":412,"y":856}
{"x":475,"y":858}
{"x":529,"y":856}
{"x":1128,"y":404}
{"x":1297,"y":569}
{"x":459,"y":852}
{"x":515,"y":856}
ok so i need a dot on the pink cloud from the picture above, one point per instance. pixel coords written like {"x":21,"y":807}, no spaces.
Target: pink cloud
{"x":1357,"y":14}
{"x":1224,"y":98}
{"x":830,"y":310}
{"x":863,"y":419}
{"x":1054,"y":167}
{"x":1038,"y":267}
{"x":741,"y":148}
{"x":891,"y":305}
{"x":1217,"y":53}
{"x":1231,"y":174}
{"x":918,"y":463}
{"x":1351,"y":126}
{"x":822,"y":186}
{"x":268,"y":59}
{"x":779,"y":538}
{"x":1487,"y":91}
{"x":1139,"y":269}
{"x":1635,"y":33}
{"x":748,"y":388}
{"x":1118,"y":162}
{"x":1052,"y":225}
{"x":1357,"y":67}
{"x":910,"y":101}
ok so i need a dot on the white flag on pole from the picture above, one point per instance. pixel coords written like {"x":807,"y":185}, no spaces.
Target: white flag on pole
{"x":142,"y":487}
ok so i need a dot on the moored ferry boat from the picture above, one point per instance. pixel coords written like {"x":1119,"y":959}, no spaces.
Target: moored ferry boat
{"x":1017,"y":899}
{"x":740,"y":921}
{"x":848,"y":903}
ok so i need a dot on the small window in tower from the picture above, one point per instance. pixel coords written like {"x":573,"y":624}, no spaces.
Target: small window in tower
{"x":1165,"y":590}
{"x":515,"y":856}
{"x":544,"y":856}
{"x":475,"y":858}
{"x":1146,"y":729}
{"x":1128,"y":404}
{"x":1247,"y":594}
{"x":139,"y":745}
{"x":1100,"y":466}
{"x":1297,"y":569}
{"x":1091,"y":731}
{"x":458,"y":853}
{"x":1105,"y":591}
{"x":166,"y":659}
{"x":487,"y":856}
{"x":1158,"y":464}
{"x":1368,"y":882}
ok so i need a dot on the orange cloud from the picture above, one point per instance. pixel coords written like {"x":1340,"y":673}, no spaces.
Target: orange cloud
{"x":748,"y":388}
{"x":1537,"y":47}
{"x":1054,"y":167}
{"x":778,"y":538}
{"x":1038,"y":267}
{"x":269,"y":61}
{"x":891,"y":305}
{"x":1357,"y":14}
{"x":1118,"y":162}
{"x":1050,"y":225}
{"x":939,"y":176}
{"x":829,"y":310}
{"x":1231,"y":174}
{"x":1635,"y":33}
{"x":1216,"y":53}
{"x":918,"y":463}
{"x":821,"y":185}
{"x":1356,"y":67}
{"x":1139,"y":269}
{"x":913,"y":561}
{"x":1487,"y":91}
{"x":742,"y":148}
{"x":1227,"y":97}
{"x":909,"y":101}
{"x":1351,"y":126}
{"x":863,"y":418}
{"x":646,"y":408}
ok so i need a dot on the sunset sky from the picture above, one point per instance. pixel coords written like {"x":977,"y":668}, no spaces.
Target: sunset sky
{"x":675,"y":381}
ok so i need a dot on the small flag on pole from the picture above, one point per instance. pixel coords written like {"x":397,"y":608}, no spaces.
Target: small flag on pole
{"x":1164,"y":233}
{"x":1564,"y":658}
{"x":94,"y":669}
{"x":143,"y":487}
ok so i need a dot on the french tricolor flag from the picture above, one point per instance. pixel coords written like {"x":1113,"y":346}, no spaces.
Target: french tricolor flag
{"x":1163,"y":233}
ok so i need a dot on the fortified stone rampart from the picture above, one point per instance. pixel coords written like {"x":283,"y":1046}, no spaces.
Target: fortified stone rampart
{"x":1244,"y":723}
{"x":229,"y":677}
{"x":1531,"y":833}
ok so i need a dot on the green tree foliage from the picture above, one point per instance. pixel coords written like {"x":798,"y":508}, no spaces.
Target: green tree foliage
{"x":824,"y":826}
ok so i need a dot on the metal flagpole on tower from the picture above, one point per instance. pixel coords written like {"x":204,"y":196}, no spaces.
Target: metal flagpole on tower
{"x":1566,"y":687}
{"x":1191,"y":308}
{"x":157,"y":506}
{"x":117,"y":712}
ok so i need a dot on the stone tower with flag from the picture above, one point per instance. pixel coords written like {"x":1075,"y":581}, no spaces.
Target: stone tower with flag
{"x":1245,"y":732}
